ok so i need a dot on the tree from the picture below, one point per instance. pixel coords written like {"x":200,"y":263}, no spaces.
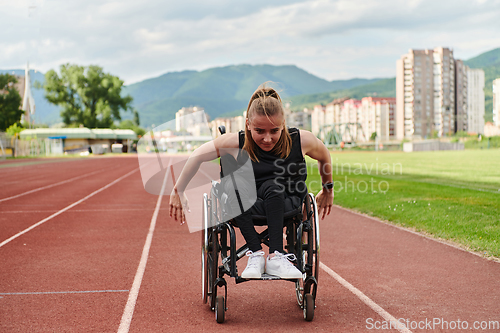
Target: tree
{"x":14,"y":130}
{"x":87,"y":95}
{"x":10,"y":102}
{"x":129,"y":124}
{"x":137,"y":120}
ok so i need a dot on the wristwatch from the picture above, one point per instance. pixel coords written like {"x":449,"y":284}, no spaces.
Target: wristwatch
{"x":328,"y":186}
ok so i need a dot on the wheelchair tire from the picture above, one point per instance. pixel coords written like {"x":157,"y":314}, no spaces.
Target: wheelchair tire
{"x":220,"y":309}
{"x":204,"y":251}
{"x":309,"y":307}
{"x":309,"y":256}
{"x":212,"y":253}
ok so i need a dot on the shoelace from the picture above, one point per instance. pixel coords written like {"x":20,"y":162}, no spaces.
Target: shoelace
{"x":252,"y":261}
{"x":287,"y":258}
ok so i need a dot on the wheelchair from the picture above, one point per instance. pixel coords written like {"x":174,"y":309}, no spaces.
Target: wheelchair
{"x":219,"y":252}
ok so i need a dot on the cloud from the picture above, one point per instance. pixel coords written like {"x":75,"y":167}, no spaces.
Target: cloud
{"x":332,"y":39}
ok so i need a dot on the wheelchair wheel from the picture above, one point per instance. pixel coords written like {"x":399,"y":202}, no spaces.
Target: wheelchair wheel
{"x":209,"y":257}
{"x":307,"y":252}
{"x":309,"y":307}
{"x":212,"y":251}
{"x":220,"y":309}
{"x":204,"y":251}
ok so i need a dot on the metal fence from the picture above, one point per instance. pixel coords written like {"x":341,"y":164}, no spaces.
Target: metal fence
{"x":14,"y":147}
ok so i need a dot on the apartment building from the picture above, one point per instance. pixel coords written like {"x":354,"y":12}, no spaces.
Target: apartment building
{"x":378,"y":115}
{"x":415,"y":94}
{"x":496,"y":102}
{"x":475,"y":101}
{"x":232,"y":125}
{"x":350,"y":113}
{"x":333,"y":110}
{"x":461,"y":105}
{"x":193,"y":120}
{"x":444,"y":91}
{"x":434,"y":97}
{"x":374,"y":114}
{"x":299,"y":119}
{"x":317,"y":118}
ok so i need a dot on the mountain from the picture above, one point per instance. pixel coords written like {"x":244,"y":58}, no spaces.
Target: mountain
{"x":46,"y":113}
{"x":382,"y":87}
{"x":219,"y":90}
{"x":490,"y":63}
{"x":222,"y":90}
{"x":487,"y":59}
{"x":225,"y":91}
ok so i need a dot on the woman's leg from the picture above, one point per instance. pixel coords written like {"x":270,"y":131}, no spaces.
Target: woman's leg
{"x":242,"y":219}
{"x":273,"y":195}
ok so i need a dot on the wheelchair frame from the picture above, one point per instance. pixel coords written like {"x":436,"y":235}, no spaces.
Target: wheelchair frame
{"x":219,"y":252}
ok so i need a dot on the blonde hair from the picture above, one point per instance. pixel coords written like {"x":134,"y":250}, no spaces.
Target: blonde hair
{"x":266,"y":101}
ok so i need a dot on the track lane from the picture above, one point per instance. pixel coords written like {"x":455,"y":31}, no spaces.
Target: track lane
{"x":408,"y":275}
{"x":47,"y":219}
{"x":170,"y":297}
{"x":81,"y":250}
{"x":33,"y":208}
{"x":48,"y":186}
{"x":17,"y":180}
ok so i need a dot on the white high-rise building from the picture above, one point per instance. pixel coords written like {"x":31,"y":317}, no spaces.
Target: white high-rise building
{"x":444,"y":91}
{"x":317,"y":119}
{"x":193,"y":120}
{"x":415,"y":94}
{"x":475,"y":101}
{"x":461,"y":104}
{"x":496,"y":102}
{"x":378,"y":116}
{"x":437,"y":95}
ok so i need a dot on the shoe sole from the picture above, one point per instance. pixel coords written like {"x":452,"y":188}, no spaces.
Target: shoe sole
{"x":284,"y":277}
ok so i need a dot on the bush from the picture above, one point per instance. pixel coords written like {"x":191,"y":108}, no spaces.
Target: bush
{"x":484,"y":143}
{"x":14,"y":130}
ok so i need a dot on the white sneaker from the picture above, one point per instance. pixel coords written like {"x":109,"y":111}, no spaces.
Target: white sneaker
{"x":281,"y":266}
{"x":255,"y":265}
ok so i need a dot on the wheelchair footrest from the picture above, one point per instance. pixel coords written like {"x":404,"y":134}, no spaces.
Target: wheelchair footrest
{"x":264,"y":276}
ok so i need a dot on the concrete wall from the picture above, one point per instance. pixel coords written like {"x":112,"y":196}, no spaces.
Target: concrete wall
{"x":409,"y":147}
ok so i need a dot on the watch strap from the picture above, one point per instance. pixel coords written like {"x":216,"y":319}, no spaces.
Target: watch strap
{"x":328,"y":186}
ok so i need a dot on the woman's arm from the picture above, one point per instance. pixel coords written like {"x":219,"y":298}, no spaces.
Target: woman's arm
{"x":205,"y":153}
{"x":314,"y":148}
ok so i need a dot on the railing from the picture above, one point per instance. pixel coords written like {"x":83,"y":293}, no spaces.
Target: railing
{"x":14,"y":147}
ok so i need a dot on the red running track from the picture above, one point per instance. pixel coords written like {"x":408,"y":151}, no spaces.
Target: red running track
{"x":74,"y":272}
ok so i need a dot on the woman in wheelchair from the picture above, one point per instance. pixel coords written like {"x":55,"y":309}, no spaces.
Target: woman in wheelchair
{"x":277,"y":158}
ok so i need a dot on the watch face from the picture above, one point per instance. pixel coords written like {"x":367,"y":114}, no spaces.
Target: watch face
{"x":328,"y":186}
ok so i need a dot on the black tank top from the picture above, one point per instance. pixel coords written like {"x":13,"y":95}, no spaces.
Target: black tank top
{"x":290,"y":172}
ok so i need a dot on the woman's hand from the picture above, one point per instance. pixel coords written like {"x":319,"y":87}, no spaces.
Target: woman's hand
{"x":324,"y":202}
{"x":178,"y":205}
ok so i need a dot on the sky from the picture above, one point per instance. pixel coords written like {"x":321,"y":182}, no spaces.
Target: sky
{"x":332,"y":39}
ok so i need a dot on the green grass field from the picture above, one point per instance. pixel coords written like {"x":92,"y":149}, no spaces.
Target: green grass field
{"x":451,"y":195}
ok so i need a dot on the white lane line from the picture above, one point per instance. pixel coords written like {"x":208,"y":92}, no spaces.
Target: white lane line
{"x":365,"y":299}
{"x":136,"y":285}
{"x":78,"y":210}
{"x":64,"y":292}
{"x":48,"y":186}
{"x":65,"y":209}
